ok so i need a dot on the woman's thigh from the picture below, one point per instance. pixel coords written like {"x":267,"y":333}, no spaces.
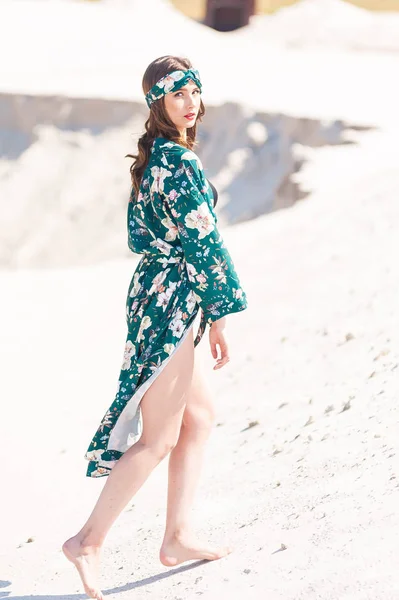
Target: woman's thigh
{"x":163,"y":403}
{"x":199,"y":411}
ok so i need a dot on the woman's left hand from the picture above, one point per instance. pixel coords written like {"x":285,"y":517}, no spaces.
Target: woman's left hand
{"x":217,"y":341}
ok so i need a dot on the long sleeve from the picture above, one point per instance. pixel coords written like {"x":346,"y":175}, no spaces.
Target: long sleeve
{"x":191,"y":218}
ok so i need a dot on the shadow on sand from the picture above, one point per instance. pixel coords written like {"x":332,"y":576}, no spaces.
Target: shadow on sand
{"x":117,"y":590}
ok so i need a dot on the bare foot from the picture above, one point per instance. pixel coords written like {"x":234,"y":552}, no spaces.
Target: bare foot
{"x":181,"y":548}
{"x":87,"y":560}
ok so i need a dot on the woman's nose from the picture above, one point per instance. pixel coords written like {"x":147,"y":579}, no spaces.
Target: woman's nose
{"x":191,"y":101}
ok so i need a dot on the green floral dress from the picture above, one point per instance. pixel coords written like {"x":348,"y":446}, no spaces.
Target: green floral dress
{"x":185,"y":267}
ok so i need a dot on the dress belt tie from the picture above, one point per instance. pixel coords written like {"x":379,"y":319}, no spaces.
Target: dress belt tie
{"x":162,"y":251}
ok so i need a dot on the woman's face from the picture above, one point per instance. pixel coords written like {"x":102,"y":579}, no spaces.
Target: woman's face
{"x":183,"y":105}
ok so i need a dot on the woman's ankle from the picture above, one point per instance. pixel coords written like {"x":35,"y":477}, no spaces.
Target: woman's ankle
{"x":176,"y":532}
{"x":87,"y":539}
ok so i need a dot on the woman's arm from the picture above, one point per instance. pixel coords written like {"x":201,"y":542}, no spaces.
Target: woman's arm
{"x":210,"y":268}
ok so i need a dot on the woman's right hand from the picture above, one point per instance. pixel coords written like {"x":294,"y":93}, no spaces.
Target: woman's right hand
{"x":218,"y":339}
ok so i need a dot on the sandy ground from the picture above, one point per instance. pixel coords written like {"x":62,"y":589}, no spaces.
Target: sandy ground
{"x":317,"y":473}
{"x":301,"y":471}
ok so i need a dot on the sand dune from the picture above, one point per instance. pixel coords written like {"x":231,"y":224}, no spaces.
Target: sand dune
{"x":329,"y":23}
{"x":76,"y":106}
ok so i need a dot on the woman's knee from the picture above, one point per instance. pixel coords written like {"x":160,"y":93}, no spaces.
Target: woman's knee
{"x":199,"y":419}
{"x":160,"y":447}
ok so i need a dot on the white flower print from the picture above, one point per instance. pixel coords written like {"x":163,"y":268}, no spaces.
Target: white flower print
{"x":98,"y":472}
{"x":169,"y":84}
{"x":107,"y":419}
{"x":167,"y":145}
{"x":159,"y":174}
{"x":169,"y":81}
{"x":175,"y":214}
{"x":192,"y":156}
{"x":191,"y":271}
{"x":163,"y":246}
{"x":94,"y":454}
{"x":201,"y":219}
{"x":177,"y":326}
{"x":165,"y":296}
{"x":168,"y":348}
{"x":145,"y":324}
{"x":171,"y":288}
{"x":172,"y":232}
{"x":157,"y":281}
{"x":202,"y":282}
{"x":163,"y":300}
{"x":191,"y":302}
{"x":136,"y":285}
{"x":201,"y":278}
{"x":130,"y":349}
{"x":219,"y":270}
{"x":197,"y":297}
{"x":164,"y":261}
{"x":101,"y":470}
{"x":155,"y":364}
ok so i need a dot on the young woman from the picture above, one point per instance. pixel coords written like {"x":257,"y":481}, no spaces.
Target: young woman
{"x":162,"y":405}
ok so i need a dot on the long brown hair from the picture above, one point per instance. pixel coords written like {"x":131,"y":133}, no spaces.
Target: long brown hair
{"x":158,"y":123}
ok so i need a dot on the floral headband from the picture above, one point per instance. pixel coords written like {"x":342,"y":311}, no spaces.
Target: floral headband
{"x":170,"y":83}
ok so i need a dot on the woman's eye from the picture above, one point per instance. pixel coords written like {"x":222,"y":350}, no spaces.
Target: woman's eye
{"x":180,"y":93}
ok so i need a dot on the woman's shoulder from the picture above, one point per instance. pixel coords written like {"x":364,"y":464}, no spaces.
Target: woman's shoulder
{"x":173,"y":153}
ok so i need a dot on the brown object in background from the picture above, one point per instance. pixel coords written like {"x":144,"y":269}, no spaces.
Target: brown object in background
{"x":227,"y":15}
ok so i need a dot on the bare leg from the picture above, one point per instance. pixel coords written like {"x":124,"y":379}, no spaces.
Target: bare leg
{"x":185,"y":464}
{"x":162,"y":409}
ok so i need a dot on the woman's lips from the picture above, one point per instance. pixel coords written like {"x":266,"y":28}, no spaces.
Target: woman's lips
{"x":190,"y":116}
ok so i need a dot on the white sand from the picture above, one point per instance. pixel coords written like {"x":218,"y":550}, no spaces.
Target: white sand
{"x":328,"y":23}
{"x":95,"y":50}
{"x":321,"y":334}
